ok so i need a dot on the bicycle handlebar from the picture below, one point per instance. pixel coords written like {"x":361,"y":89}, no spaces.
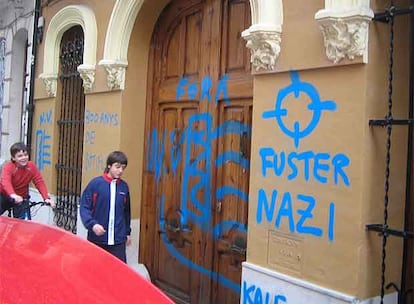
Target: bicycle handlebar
{"x":26,"y":205}
{"x":31,"y":204}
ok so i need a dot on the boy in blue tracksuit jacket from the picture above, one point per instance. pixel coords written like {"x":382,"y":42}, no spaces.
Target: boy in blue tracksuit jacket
{"x":105,"y":208}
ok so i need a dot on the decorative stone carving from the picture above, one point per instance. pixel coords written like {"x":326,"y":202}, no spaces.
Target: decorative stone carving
{"x":345,"y":37}
{"x":264,"y":46}
{"x":87,"y":73}
{"x":50,"y":82}
{"x":115,"y":74}
{"x":344,"y":26}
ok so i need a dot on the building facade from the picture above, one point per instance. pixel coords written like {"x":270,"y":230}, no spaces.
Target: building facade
{"x":261,"y":166}
{"x":16,"y":35}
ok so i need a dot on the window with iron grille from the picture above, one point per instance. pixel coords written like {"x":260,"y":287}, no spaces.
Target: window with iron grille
{"x":71,"y":126}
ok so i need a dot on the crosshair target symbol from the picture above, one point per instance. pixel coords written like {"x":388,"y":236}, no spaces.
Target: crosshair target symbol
{"x":316,"y":106}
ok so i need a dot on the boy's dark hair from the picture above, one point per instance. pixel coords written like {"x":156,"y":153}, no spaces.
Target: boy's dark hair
{"x":116,"y":157}
{"x":17,"y":147}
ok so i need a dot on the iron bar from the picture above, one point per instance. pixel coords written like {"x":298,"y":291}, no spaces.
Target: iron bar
{"x":387,"y":122}
{"x":408,"y":189}
{"x":388,"y":17}
{"x":391,"y":13}
{"x":384,"y":230}
{"x":388,"y":150}
{"x":68,"y":168}
{"x":70,"y":122}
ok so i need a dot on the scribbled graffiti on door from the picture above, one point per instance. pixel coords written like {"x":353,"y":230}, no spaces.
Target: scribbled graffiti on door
{"x":199,"y":135}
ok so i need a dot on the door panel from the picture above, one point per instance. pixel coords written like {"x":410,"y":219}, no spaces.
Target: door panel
{"x":192,"y":43}
{"x":173,"y":56}
{"x":235,"y":58}
{"x":197,"y":151}
{"x":177,"y":236}
{"x":233,"y":163}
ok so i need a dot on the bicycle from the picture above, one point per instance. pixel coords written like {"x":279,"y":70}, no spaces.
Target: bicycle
{"x":25,"y":208}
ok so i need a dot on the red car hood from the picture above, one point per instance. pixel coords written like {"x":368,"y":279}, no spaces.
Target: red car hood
{"x":42,"y":264}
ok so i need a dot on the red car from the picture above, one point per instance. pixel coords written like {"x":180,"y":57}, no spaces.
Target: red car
{"x":42,"y":264}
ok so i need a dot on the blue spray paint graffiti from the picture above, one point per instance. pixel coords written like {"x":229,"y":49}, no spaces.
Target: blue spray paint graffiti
{"x":92,"y":161}
{"x":286,"y":211}
{"x":184,"y":86}
{"x":193,"y":208}
{"x":194,"y":137}
{"x":179,"y":256}
{"x":316,"y":106}
{"x":253,"y":294}
{"x":46,"y":118}
{"x":42,"y":141}
{"x":104,"y":118}
{"x":308,"y":165}
{"x":298,"y":211}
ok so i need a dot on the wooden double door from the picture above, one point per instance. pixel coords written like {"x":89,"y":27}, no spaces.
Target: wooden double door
{"x":197,"y":160}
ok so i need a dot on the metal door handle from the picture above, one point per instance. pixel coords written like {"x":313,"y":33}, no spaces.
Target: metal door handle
{"x":218,"y":207}
{"x":172,"y":226}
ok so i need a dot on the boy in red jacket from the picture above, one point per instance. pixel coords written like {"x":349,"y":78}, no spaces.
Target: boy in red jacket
{"x":15,"y":179}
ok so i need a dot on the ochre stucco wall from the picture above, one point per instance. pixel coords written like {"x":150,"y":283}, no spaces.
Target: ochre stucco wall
{"x":349,"y":261}
{"x":44,"y":129}
{"x":102,"y":133}
{"x":334,"y":141}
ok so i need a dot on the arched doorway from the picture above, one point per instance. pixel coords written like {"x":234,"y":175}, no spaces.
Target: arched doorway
{"x":197,"y":159}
